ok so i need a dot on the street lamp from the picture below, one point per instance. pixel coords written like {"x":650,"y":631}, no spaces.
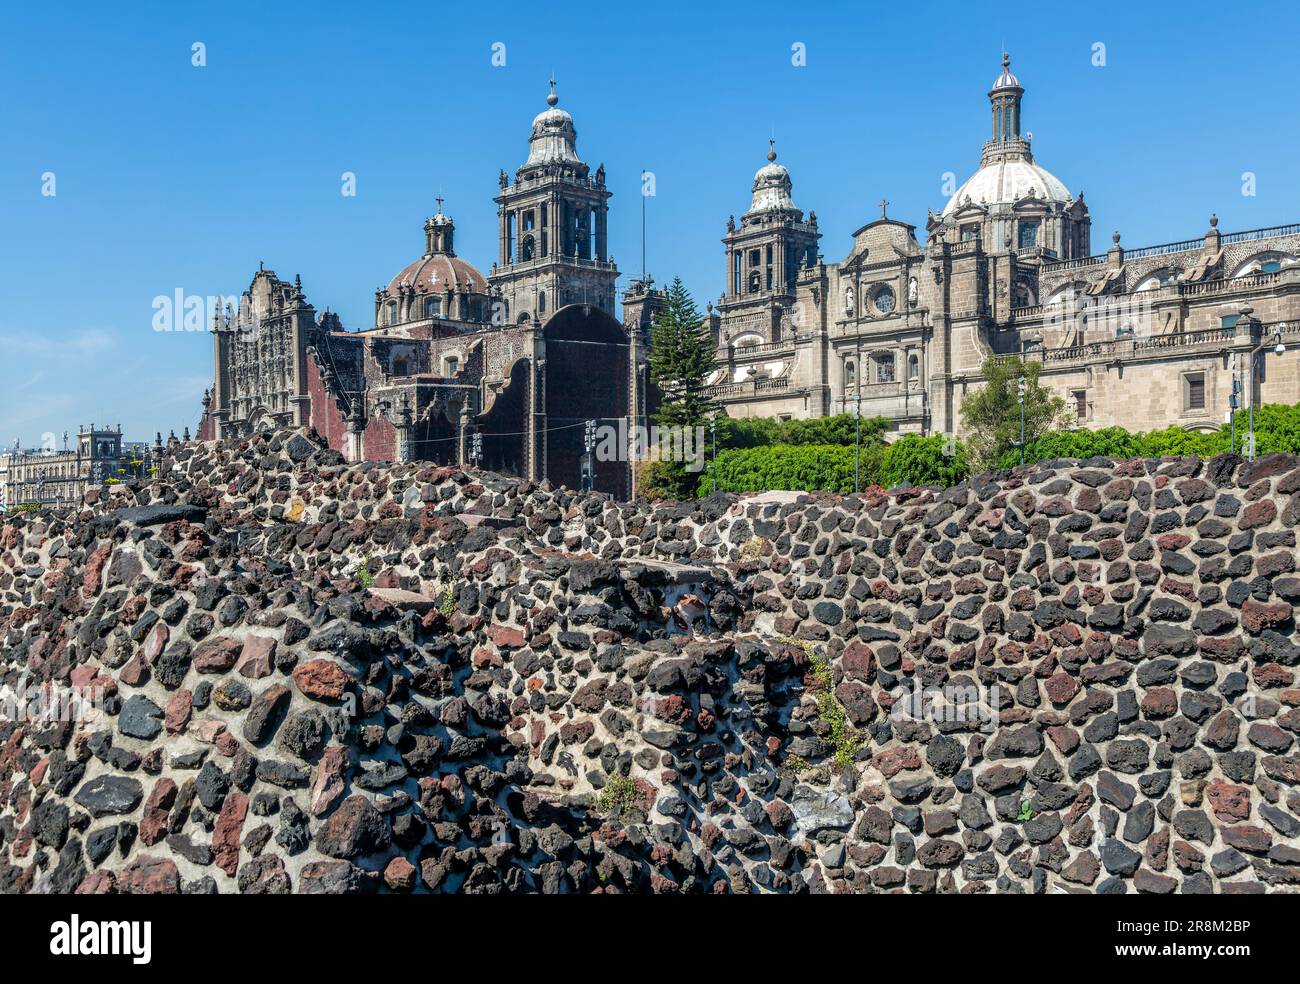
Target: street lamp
{"x":1027,"y":342}
{"x":1021,"y":390}
{"x":1279,"y":348}
{"x":857,"y":442}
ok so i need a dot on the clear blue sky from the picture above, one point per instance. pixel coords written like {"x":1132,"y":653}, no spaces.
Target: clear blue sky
{"x":174,"y":177}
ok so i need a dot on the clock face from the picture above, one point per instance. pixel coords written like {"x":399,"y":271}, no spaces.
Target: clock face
{"x":884,"y":300}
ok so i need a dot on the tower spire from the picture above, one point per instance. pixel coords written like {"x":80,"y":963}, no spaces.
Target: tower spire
{"x":552,"y":98}
{"x":771,"y":148}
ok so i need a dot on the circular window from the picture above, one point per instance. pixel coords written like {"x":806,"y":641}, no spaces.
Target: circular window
{"x":883,"y":299}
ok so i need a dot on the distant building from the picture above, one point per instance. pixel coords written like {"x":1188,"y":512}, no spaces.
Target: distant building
{"x":1144,"y":338}
{"x":52,"y":477}
{"x":503,"y":370}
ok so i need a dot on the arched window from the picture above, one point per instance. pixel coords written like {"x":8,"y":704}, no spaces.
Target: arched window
{"x":850,"y":376}
{"x":755,"y":282}
{"x":526,"y":249}
{"x":392,"y":312}
{"x":913,"y":367}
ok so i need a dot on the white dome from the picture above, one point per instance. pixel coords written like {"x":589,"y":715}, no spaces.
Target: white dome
{"x":772,"y":185}
{"x":1004,"y":182}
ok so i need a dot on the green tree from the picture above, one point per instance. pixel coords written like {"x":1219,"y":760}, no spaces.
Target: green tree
{"x":682,"y":356}
{"x":991,"y":416}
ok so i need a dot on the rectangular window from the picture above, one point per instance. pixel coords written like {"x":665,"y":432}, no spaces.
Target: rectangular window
{"x":432,"y":307}
{"x":1028,"y":233}
{"x":1194,"y":390}
{"x":969,"y":232}
{"x":885,"y":369}
{"x":1080,"y":406}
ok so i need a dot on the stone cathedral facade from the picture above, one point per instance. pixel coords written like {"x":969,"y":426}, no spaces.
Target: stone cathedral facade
{"x":502,"y":370}
{"x":900,"y":327}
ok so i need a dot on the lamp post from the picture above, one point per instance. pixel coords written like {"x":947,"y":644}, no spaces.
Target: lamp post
{"x":1279,"y":348}
{"x":1028,"y":342}
{"x":1021,"y":389}
{"x":857,"y":442}
{"x":713,"y":467}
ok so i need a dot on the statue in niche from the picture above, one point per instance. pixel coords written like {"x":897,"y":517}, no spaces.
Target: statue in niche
{"x":848,"y":300}
{"x":912,"y":292}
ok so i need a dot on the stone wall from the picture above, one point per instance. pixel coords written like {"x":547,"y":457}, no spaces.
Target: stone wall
{"x":1074,"y":677}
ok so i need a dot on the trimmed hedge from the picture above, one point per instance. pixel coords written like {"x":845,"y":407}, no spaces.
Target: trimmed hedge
{"x":793,"y":467}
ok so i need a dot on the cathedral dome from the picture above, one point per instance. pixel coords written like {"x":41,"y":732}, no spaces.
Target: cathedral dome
{"x":439,"y":273}
{"x":1006,"y":181}
{"x":553,"y":137}
{"x":1006,"y":80}
{"x":772,"y":185}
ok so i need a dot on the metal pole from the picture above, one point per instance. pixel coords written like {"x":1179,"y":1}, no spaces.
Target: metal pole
{"x":857,"y":445}
{"x":1232,"y":407}
{"x":1250,"y":447}
{"x":1022,"y":419}
{"x":713,"y":471}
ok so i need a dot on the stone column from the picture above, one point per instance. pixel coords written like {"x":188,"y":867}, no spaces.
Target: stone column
{"x":355,"y":425}
{"x":404,"y":425}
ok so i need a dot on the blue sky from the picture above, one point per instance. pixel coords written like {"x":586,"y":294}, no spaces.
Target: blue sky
{"x":169,"y":176}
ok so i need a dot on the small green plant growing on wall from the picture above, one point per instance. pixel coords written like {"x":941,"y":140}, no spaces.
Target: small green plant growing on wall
{"x":844,"y":739}
{"x":364,"y":576}
{"x":447,"y":603}
{"x":620,"y":792}
{"x":1026,"y":811}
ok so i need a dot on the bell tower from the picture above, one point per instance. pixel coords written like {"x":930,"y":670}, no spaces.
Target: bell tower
{"x":553,"y":228}
{"x":764,"y":256}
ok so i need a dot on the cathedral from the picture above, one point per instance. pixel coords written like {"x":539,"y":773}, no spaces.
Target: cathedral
{"x":503,"y":370}
{"x":507,"y":369}
{"x":900,"y":327}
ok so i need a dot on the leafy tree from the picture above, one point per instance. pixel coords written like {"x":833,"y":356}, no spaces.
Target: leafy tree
{"x":681,"y":360}
{"x":991,"y":416}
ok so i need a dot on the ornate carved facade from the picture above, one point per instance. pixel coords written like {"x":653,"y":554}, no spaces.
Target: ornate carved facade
{"x":503,"y":370}
{"x":900,"y":328}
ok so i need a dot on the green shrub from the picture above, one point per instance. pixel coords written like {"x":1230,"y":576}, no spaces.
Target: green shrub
{"x":755,"y":432}
{"x":933,"y":460}
{"x":793,"y":467}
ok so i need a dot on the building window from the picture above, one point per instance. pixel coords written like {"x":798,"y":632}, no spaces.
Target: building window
{"x":453,"y":365}
{"x":755,"y":257}
{"x":526,"y":251}
{"x":913,"y":367}
{"x":885,"y":368}
{"x":884,"y":299}
{"x":1228,"y":321}
{"x":755,"y":282}
{"x":1080,"y":406}
{"x":1194,"y":391}
{"x":969,"y":232}
{"x":433,"y":307}
{"x":392,"y":312}
{"x":850,"y":376}
{"x":1027,"y":232}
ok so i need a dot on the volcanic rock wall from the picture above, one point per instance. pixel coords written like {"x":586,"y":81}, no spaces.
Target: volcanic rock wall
{"x":313,"y":677}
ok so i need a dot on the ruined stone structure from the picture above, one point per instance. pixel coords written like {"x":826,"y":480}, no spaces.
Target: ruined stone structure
{"x":50,"y":476}
{"x":502,"y":370}
{"x":899,"y":328}
{"x":536,"y":690}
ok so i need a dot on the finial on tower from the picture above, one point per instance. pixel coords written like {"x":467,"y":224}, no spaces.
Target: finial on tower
{"x":1006,"y":60}
{"x":771,"y":149}
{"x":552,"y":98}
{"x":439,"y":201}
